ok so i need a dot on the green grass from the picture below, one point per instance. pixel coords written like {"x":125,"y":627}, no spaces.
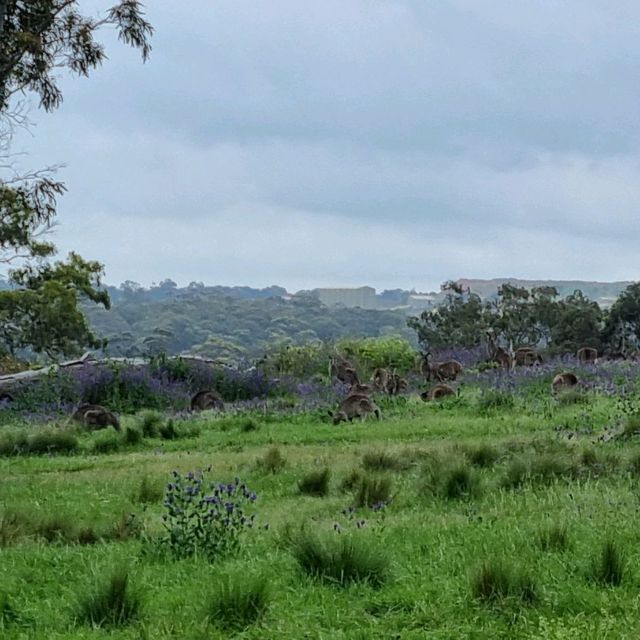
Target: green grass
{"x":547,"y":547}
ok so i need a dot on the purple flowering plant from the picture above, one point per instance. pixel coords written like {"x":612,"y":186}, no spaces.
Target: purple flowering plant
{"x":205,"y":519}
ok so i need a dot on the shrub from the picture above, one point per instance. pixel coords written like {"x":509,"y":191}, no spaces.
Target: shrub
{"x":106,"y":442}
{"x":150,"y":422}
{"x":315,"y":483}
{"x":237,"y":602}
{"x":340,"y":559}
{"x":553,"y":538}
{"x":608,"y":567}
{"x":495,"y":581}
{"x":199,"y":523}
{"x":381,"y":461}
{"x":112,"y":603}
{"x":373,"y":491}
{"x":272,"y":461}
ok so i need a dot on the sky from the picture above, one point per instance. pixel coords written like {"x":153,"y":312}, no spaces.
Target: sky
{"x":393,"y":143}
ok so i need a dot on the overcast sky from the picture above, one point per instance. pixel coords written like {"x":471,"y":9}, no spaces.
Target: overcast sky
{"x":395,"y":143}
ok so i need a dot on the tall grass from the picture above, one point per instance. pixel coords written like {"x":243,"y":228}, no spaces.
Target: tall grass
{"x":113,"y":603}
{"x":237,"y":601}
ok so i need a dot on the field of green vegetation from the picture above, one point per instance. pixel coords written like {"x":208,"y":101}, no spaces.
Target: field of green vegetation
{"x":462,"y":519}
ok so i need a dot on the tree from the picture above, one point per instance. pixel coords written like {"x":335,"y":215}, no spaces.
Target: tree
{"x":579,"y":323}
{"x":460,"y":320}
{"x":621,"y":332}
{"x":41,"y":308}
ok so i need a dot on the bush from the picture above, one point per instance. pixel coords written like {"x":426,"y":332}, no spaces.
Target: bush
{"x":316,"y":483}
{"x":373,"y":491}
{"x":608,"y":567}
{"x":199,"y":523}
{"x":272,"y":461}
{"x":237,"y":602}
{"x":111,"y":604}
{"x":495,"y":581}
{"x":341,"y":559}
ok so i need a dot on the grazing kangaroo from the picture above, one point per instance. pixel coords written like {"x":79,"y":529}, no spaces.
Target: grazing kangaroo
{"x":497,"y":354}
{"x":343,"y":370}
{"x":563,"y":381}
{"x":439,"y":391}
{"x":396,"y":384}
{"x":96,"y":416}
{"x":360,"y":390}
{"x":587,"y":355}
{"x":441,"y":371}
{"x":527,"y":356}
{"x":380,"y":379}
{"x":206,"y":400}
{"x":355,"y":407}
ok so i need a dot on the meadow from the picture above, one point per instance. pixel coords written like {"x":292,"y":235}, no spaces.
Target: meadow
{"x":501,"y":512}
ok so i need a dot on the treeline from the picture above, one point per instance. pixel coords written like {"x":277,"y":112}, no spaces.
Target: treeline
{"x":537,"y":317}
{"x":212,"y":323}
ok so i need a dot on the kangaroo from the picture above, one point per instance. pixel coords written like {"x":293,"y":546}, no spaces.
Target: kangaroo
{"x":497,"y":354}
{"x":380,"y":379}
{"x":344,"y":371}
{"x":96,"y":416}
{"x":563,"y":381}
{"x":206,"y":400}
{"x":360,"y":390}
{"x":441,"y":371}
{"x":396,"y":384}
{"x":527,"y":356}
{"x":355,"y":407}
{"x":439,"y":391}
{"x":587,"y":355}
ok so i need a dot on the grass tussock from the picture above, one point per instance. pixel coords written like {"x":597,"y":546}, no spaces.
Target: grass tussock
{"x":492,"y":400}
{"x":272,"y":461}
{"x":107,"y":441}
{"x":340,"y":559}
{"x":47,"y":441}
{"x":483,"y":455}
{"x":132,"y":435}
{"x":373,"y":491}
{"x":237,"y":602}
{"x":381,"y":461}
{"x":147,"y":492}
{"x":608,"y":567}
{"x":315,"y":483}
{"x":249,"y":424}
{"x":496,"y":581}
{"x":630,"y":426}
{"x":112,"y":603}
{"x":150,"y":422}
{"x":14,"y":525}
{"x":554,"y":537}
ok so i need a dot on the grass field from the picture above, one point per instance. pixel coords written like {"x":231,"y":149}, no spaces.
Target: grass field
{"x":486,"y":523}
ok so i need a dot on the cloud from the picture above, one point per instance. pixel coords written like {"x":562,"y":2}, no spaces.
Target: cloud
{"x":387,"y":143}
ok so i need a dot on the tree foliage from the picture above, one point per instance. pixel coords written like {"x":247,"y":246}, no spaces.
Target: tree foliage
{"x":40,"y":310}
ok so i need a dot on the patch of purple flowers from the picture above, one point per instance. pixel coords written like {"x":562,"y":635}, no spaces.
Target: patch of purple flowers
{"x":205,"y":521}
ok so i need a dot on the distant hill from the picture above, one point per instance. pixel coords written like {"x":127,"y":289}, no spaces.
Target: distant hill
{"x":604,"y":293}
